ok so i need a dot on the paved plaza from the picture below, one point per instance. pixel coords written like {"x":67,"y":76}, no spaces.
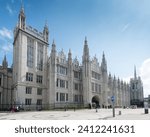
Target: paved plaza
{"x":84,"y":114}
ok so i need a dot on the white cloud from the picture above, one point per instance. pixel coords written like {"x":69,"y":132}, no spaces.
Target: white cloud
{"x":9,"y":9}
{"x":4,"y":32}
{"x":7,"y":48}
{"x":145,"y":76}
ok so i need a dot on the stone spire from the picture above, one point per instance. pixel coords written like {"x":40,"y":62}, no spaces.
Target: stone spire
{"x":135,"y":77}
{"x":104,"y":63}
{"x":118,"y":82}
{"x":70,"y":57}
{"x":69,"y":54}
{"x":103,"y":59}
{"x":85,"y":41}
{"x":5,"y":63}
{"x":46,"y":32}
{"x":21,"y":18}
{"x":109,"y":75}
{"x":53,"y":47}
{"x":85,"y":51}
{"x":114,"y":80}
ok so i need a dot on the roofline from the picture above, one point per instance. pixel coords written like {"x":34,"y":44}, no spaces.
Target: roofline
{"x":28,"y":34}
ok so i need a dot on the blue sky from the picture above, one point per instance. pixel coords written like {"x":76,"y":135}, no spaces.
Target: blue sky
{"x":120,"y":28}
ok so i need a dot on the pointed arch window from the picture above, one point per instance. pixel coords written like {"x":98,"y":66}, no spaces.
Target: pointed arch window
{"x":40,"y":57}
{"x":30,"y":52}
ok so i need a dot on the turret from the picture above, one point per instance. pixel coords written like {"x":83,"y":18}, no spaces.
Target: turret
{"x":52,"y":74}
{"x":21,"y":19}
{"x":105,"y":80}
{"x":5,"y":63}
{"x":53,"y":53}
{"x":86,"y":74}
{"x":118,"y":82}
{"x":86,"y":59}
{"x":70,"y":57}
{"x":135,"y":77}
{"x":114,"y":84}
{"x":114,"y":78}
{"x":104,"y":64}
{"x":109,"y":78}
{"x":46,"y":32}
{"x":86,"y":56}
{"x":53,"y":50}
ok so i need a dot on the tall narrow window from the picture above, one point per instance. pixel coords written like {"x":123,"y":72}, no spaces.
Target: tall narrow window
{"x":40,"y":57}
{"x":66,"y":84}
{"x":28,"y":101}
{"x":39,"y":102}
{"x":57,"y":82}
{"x":61,"y":70}
{"x":76,"y":86}
{"x":29,"y":76}
{"x":76,"y":74}
{"x":95,"y":75}
{"x":96,"y":87}
{"x":76,"y":98}
{"x":57,"y":94}
{"x":99,"y":88}
{"x":66,"y":97}
{"x":92,"y":86}
{"x":39,"y":91}
{"x":62,"y":83}
{"x":30,"y":52}
{"x":39,"y":79}
{"x":62,"y":96}
{"x":28,"y":90}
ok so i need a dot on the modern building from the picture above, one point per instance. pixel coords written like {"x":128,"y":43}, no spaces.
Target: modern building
{"x":58,"y":80}
{"x":5,"y":86}
{"x":136,"y":90}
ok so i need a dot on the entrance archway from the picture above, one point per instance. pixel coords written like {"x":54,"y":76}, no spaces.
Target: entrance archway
{"x":96,"y":101}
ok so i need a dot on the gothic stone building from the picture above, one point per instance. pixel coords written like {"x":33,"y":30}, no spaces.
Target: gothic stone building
{"x":5,"y":86}
{"x":136,"y":91}
{"x":58,"y":80}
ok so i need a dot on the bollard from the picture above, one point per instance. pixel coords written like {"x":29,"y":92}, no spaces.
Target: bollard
{"x":146,"y":111}
{"x":146,"y":107}
{"x":96,"y":110}
{"x":119,"y":112}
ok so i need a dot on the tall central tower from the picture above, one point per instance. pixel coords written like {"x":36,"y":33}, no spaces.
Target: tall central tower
{"x":104,"y":81}
{"x":86,"y":74}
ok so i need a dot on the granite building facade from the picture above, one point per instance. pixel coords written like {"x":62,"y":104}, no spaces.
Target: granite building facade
{"x":136,"y":90}
{"x":58,"y":80}
{"x":5,"y":85}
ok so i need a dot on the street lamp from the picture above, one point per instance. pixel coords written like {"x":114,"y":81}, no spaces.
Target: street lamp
{"x":113,"y":105}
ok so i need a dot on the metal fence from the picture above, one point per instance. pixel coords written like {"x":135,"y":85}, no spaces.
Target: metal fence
{"x":32,"y":107}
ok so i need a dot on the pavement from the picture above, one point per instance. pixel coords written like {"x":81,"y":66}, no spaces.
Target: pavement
{"x":83,"y":114}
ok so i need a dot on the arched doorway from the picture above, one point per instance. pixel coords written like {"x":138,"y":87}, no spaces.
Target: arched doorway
{"x":96,"y":101}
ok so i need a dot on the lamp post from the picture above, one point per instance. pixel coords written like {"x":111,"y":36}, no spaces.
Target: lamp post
{"x":113,"y":105}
